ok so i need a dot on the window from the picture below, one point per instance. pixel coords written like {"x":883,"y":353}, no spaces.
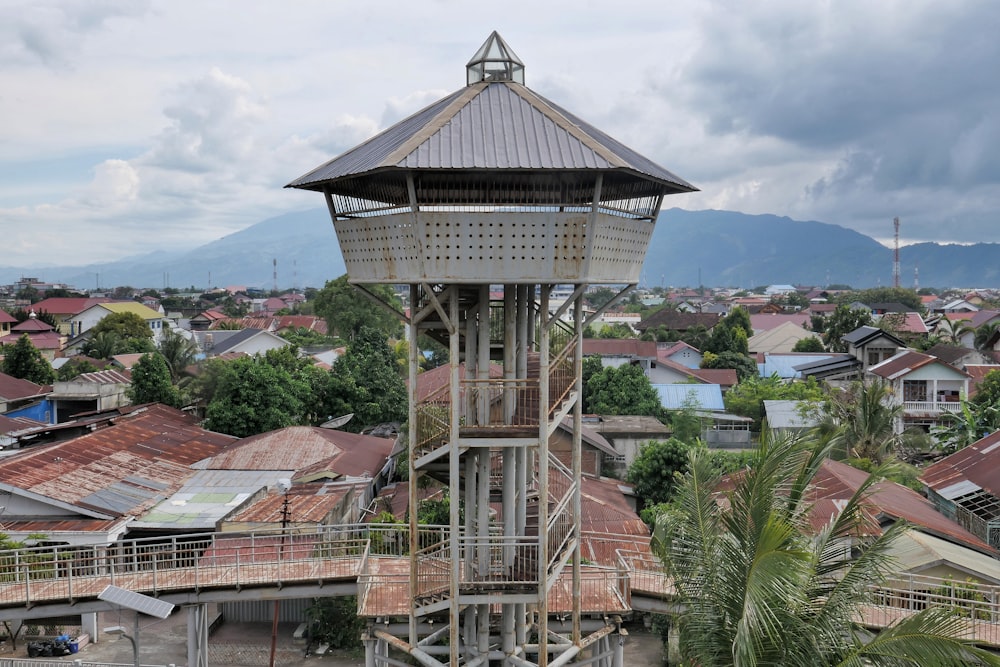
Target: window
{"x":914,"y":390}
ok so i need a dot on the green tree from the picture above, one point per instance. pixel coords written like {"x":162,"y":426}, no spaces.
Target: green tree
{"x":73,"y":368}
{"x":151,"y":382}
{"x":842,"y":321}
{"x":988,"y":392}
{"x":863,"y":419}
{"x":907,"y":297}
{"x":253,"y":396}
{"x":366,"y":381}
{"x":747,"y":398}
{"x":178,"y":352}
{"x":125,"y":324}
{"x":346,"y":310}
{"x":656,"y":469}
{"x":952,"y":331}
{"x":104,"y":345}
{"x":624,"y":390}
{"x":745,"y":367}
{"x":984,"y":334}
{"x":756,"y":585}
{"x":23,"y":360}
{"x":810,"y":344}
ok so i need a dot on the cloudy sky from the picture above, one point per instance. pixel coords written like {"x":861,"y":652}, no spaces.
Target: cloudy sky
{"x":131,"y":125}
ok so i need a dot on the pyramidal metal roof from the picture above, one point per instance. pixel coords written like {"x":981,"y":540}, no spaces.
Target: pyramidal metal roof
{"x":496,"y":123}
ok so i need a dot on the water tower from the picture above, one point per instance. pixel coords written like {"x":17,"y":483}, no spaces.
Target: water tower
{"x":484,"y":203}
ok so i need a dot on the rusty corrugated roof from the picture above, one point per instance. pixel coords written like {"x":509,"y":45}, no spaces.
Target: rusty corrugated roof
{"x":123,"y":469}
{"x":978,"y":463}
{"x":307,"y":450}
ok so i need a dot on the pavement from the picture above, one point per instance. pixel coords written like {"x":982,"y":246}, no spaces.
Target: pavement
{"x":164,"y":642}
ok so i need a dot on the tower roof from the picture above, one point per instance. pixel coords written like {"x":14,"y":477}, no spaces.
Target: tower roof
{"x":494,"y":123}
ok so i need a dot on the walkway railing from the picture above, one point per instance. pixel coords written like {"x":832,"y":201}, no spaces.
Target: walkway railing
{"x":235,"y":561}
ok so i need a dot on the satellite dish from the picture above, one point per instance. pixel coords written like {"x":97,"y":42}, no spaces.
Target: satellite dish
{"x":338,"y":422}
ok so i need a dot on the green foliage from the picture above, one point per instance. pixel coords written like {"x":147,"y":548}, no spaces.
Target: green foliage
{"x":747,"y":398}
{"x":624,"y":390}
{"x":346,"y":311}
{"x":842,"y":321}
{"x":655,"y":471}
{"x":151,"y":382}
{"x":125,"y":324}
{"x":810,"y":344}
{"x":863,"y":421}
{"x":988,"y":392}
{"x":23,"y":360}
{"x":907,"y":297}
{"x":754,"y":581}
{"x":73,"y":368}
{"x":366,"y":380}
{"x":974,"y":420}
{"x":335,"y":621}
{"x":252,"y":396}
{"x":178,"y":352}
{"x":303,"y":337}
{"x":745,"y":367}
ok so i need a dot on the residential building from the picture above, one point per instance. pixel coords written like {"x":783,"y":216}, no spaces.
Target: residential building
{"x":16,"y":393}
{"x":64,"y":308}
{"x":924,"y":386}
{"x":90,"y":392}
{"x":87,"y":319}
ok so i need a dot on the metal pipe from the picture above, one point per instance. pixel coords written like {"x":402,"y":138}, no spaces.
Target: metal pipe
{"x":421,"y":656}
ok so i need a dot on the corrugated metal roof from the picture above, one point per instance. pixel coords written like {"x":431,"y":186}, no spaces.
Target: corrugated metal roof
{"x":306,"y":449}
{"x":697,"y":396}
{"x":979,"y":464}
{"x":498,"y":125}
{"x":120,"y":469}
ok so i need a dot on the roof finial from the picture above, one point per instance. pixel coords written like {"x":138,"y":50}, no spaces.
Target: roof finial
{"x":494,"y":61}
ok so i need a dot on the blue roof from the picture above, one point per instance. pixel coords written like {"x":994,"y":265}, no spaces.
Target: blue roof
{"x":784,"y":364}
{"x":697,"y":396}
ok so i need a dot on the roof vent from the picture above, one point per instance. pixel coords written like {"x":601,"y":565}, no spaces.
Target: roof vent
{"x":494,"y":61}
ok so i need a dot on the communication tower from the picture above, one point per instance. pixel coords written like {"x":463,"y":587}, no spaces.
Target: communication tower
{"x":482,"y":203}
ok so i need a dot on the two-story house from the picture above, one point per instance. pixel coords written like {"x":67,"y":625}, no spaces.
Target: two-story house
{"x":88,"y":318}
{"x":924,"y":386}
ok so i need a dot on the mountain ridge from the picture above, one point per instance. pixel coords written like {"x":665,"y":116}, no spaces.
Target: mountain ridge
{"x":688,"y":248}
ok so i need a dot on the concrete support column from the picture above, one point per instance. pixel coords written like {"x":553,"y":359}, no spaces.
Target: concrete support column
{"x":88,"y":624}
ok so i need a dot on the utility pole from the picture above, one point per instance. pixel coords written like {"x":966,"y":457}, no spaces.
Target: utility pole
{"x":895,"y":260}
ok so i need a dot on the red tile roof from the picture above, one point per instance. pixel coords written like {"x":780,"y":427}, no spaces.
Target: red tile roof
{"x":6,"y":318}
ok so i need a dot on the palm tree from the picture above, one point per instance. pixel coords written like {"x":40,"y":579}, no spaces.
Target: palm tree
{"x":861,"y":422}
{"x":755,"y":588}
{"x":984,"y":334}
{"x":954,"y":330}
{"x":104,"y":345}
{"x":179,"y":352}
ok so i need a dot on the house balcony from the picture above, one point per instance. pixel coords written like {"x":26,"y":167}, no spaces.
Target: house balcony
{"x":931,"y":406}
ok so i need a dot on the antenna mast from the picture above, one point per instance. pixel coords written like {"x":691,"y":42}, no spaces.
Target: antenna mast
{"x":895,"y":259}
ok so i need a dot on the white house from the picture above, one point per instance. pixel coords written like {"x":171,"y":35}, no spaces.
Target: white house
{"x":88,"y":319}
{"x":923,"y":385}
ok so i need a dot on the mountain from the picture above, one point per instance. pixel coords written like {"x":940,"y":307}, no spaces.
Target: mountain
{"x":688,"y":248}
{"x":302,"y":243}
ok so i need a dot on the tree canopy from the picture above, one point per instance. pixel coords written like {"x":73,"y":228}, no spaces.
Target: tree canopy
{"x":151,"y":382}
{"x":23,"y":360}
{"x":346,"y":310}
{"x":842,"y":321}
{"x":624,"y":390}
{"x":747,"y":398}
{"x":253,"y":395}
{"x":366,"y":381}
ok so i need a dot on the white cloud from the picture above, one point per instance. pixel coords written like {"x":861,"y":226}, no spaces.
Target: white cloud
{"x":194,"y":115}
